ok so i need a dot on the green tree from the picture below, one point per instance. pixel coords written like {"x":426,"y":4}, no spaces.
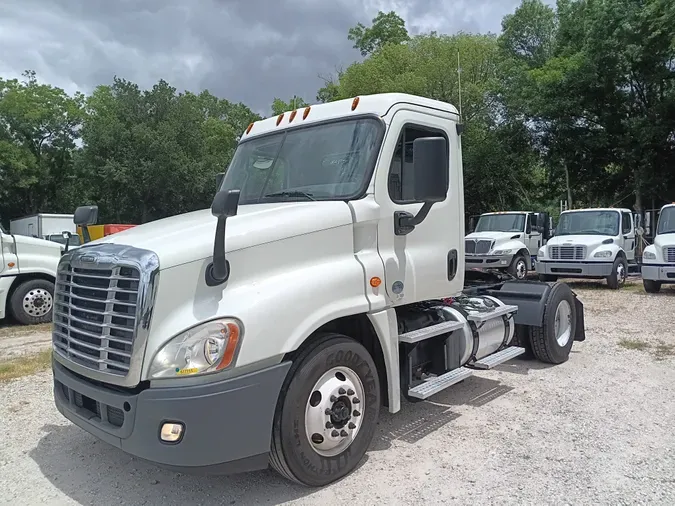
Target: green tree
{"x":279,"y":106}
{"x":386,"y":28}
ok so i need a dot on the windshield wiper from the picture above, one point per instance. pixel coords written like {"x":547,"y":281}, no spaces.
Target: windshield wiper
{"x":293,"y":193}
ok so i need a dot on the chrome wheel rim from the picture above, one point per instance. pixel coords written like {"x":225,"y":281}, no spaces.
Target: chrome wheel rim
{"x":521,"y":269}
{"x":38,"y":302}
{"x":562,"y":326}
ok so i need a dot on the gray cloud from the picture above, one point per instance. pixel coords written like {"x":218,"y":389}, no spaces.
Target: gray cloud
{"x":249,"y":51}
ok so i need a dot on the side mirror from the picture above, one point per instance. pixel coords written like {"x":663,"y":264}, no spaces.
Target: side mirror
{"x":219,"y":180}
{"x":472,"y":224}
{"x":66,"y":235}
{"x":541,"y":222}
{"x":431,"y":180}
{"x":224,"y":206}
{"x":85,"y":216}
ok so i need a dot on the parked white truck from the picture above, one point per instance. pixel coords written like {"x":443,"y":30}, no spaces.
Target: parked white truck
{"x":337,"y":287}
{"x":507,"y":241}
{"x":590,"y":243}
{"x":27,"y":276}
{"x":658,"y":259}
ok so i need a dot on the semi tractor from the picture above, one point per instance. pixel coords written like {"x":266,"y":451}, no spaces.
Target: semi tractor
{"x":590,"y":243}
{"x":658,"y":259}
{"x":507,"y":241}
{"x":324,"y":284}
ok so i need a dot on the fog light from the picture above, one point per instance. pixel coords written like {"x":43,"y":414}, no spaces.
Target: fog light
{"x":171,"y":432}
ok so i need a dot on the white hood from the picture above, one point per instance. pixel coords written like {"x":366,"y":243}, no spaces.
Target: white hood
{"x":590,"y":241}
{"x":189,"y":237}
{"x":664,"y":240}
{"x":494,"y":236}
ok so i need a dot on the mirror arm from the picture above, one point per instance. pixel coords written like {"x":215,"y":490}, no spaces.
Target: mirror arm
{"x":218,"y":271}
{"x":405,"y":222}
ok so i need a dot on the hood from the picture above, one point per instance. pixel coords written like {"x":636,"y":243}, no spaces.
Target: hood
{"x":189,"y":237}
{"x":494,"y":236}
{"x":33,"y":243}
{"x":663,"y":240}
{"x":577,"y":240}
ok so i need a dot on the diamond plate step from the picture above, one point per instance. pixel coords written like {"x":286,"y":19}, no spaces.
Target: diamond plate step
{"x":498,"y":358}
{"x":415,"y":336}
{"x":489,"y":315}
{"x":435,"y":385}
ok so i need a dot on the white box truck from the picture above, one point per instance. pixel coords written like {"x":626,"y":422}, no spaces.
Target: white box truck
{"x":325,"y":282}
{"x":658,"y":259}
{"x":43,"y":225}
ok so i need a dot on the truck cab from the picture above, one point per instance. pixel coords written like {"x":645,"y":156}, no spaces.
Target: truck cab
{"x":324,"y":284}
{"x":507,"y":241}
{"x":27,"y":276}
{"x":592,"y":244}
{"x":658,"y":259}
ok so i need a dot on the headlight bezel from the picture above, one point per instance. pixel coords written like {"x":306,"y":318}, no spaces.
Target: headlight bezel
{"x":648,"y":255}
{"x":605,"y":253}
{"x":186,"y":354}
{"x":501,"y":252}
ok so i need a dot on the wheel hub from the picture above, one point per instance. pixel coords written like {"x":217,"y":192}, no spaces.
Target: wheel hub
{"x":621,"y":273}
{"x":562,"y":326}
{"x":37,"y":302}
{"x":521,"y":269}
{"x":333,"y":414}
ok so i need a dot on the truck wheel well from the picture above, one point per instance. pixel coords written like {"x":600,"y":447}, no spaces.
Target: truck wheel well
{"x":526,"y":253}
{"x":22,"y":278}
{"x":359,"y":328}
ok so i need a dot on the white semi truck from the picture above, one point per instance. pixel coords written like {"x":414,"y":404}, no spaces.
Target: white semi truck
{"x":27,"y":276}
{"x":590,"y":243}
{"x":658,"y":259}
{"x":507,"y":241}
{"x":325,"y":282}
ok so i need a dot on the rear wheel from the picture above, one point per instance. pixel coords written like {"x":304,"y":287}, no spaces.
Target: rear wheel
{"x":552,"y":342}
{"x":619,"y":272}
{"x":518,"y":267}
{"x":327,"y":412}
{"x":32,"y":302}
{"x":651,"y":286}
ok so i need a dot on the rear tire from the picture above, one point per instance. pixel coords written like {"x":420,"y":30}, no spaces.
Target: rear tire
{"x":619,"y":272}
{"x":651,"y":286}
{"x":518,"y":267}
{"x":552,"y":342}
{"x":33,"y":302}
{"x":330,"y":374}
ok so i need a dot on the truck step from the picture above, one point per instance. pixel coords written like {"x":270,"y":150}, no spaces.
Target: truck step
{"x":434,"y":385}
{"x":415,"y":336}
{"x":498,"y":358}
{"x":489,"y":315}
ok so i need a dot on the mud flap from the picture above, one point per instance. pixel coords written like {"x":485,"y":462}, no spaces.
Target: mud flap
{"x":580,"y":330}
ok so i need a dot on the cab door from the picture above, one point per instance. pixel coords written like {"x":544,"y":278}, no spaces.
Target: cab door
{"x":533,"y":238}
{"x":628,"y":235}
{"x":424,"y":263}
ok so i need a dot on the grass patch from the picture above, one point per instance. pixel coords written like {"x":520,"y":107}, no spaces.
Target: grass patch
{"x":22,"y":330}
{"x":24,"y":366}
{"x":663,"y":351}
{"x":633,"y":344}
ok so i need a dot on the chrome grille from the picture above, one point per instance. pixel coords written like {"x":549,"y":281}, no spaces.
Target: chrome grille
{"x":470,"y":246}
{"x":96,"y":315}
{"x":483,"y":247}
{"x":669,"y":254}
{"x":567,"y":252}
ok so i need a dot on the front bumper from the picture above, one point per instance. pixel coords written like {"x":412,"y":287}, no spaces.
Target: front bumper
{"x":575,"y":269}
{"x":662,"y":273}
{"x":487,"y":261}
{"x":228,"y":424}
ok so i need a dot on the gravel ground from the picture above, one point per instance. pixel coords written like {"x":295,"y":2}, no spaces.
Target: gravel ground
{"x":20,"y":340}
{"x":595,"y":430}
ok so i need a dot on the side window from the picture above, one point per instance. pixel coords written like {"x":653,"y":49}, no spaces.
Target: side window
{"x":626,"y":223}
{"x":528,"y":223}
{"x":401,"y":182}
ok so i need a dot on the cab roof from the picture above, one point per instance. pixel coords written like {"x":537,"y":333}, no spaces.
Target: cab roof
{"x":617,"y":209}
{"x":378,"y":104}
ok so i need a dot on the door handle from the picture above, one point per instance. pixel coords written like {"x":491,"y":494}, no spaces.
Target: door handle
{"x":452,"y":264}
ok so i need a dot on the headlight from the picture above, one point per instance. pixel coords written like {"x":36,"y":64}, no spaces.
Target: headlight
{"x":649,"y":255}
{"x":603,"y":254}
{"x":542,"y":252}
{"x":502,"y":252}
{"x":206,"y":348}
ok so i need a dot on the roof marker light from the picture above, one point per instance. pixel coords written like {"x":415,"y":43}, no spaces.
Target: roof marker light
{"x":292,"y":115}
{"x":281,"y":116}
{"x":249,"y":128}
{"x":355,"y":102}
{"x":306,"y":113}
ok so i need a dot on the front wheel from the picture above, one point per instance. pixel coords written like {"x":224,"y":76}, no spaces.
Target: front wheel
{"x":327,"y":412}
{"x":518,"y":267}
{"x":651,"y":286}
{"x":619,"y":272}
{"x":552,"y":342}
{"x":32,"y":302}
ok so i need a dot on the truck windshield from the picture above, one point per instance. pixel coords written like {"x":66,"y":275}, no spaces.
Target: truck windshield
{"x":588,"y":223}
{"x":331,"y":161}
{"x":666,"y":221}
{"x":501,"y":223}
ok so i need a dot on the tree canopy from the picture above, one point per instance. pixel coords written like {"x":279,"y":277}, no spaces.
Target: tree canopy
{"x":575,"y":102}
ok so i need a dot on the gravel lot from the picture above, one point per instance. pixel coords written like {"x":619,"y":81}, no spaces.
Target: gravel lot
{"x":595,"y":430}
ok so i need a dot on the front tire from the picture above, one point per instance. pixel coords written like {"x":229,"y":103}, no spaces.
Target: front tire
{"x":552,"y":342}
{"x":33,"y":302}
{"x":619,"y":272}
{"x":651,"y":286}
{"x":327,"y":412}
{"x":518,"y":267}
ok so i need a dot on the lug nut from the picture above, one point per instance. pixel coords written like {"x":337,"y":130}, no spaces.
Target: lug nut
{"x":352,"y":425}
{"x":342,"y":391}
{"x":329,"y":425}
{"x":355,"y":400}
{"x":344,"y":433}
{"x":356,"y":413}
{"x":328,"y":411}
{"x":335,"y":433}
{"x":333,"y":398}
{"x":350,"y":392}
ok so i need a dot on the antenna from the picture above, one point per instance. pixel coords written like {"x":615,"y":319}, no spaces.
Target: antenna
{"x":459,"y":83}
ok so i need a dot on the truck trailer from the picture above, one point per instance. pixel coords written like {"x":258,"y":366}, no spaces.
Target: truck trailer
{"x":325,"y":283}
{"x":42,"y":225}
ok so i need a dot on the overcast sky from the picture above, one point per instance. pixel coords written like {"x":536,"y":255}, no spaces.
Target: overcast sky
{"x":242,"y":50}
